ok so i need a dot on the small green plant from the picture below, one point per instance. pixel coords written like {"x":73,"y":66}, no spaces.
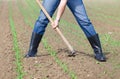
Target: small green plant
{"x":18,"y":62}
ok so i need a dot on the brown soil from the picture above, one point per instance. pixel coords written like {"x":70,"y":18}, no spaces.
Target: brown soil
{"x":44,"y":66}
{"x":7,"y":55}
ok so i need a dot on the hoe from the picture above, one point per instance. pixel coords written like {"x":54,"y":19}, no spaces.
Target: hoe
{"x":72,"y":51}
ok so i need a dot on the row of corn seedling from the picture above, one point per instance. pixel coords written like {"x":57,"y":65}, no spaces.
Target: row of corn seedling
{"x":18,"y":62}
{"x":103,"y":17}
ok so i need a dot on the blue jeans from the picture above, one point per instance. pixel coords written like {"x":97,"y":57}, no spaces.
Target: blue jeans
{"x":76,"y":7}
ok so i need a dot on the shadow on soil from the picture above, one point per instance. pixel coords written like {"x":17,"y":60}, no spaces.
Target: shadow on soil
{"x":65,"y":50}
{"x":79,"y":52}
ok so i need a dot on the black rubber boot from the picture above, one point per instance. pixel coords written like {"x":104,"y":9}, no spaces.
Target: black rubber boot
{"x":96,"y":45}
{"x":35,"y":40}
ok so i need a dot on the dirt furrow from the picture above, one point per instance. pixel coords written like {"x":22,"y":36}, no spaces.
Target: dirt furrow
{"x":41,"y":67}
{"x":7,"y":57}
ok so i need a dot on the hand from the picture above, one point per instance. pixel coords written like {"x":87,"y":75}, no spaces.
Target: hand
{"x":55,"y":24}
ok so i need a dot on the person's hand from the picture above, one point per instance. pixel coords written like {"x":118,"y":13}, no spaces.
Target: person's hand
{"x":55,"y":24}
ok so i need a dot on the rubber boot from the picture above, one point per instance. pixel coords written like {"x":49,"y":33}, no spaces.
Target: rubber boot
{"x":96,"y":45}
{"x":35,"y":40}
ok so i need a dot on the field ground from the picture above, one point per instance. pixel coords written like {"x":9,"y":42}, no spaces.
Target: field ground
{"x":17,"y":18}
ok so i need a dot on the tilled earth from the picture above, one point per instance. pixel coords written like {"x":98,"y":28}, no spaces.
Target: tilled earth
{"x":7,"y":57}
{"x":44,"y":66}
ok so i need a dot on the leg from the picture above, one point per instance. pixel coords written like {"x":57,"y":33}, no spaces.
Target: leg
{"x":42,"y":21}
{"x":78,"y":10}
{"x":40,"y":26}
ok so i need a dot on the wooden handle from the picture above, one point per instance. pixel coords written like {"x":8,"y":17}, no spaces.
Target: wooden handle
{"x":57,"y":29}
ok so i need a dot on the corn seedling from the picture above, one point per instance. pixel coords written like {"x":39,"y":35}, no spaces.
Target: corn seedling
{"x":18,"y":62}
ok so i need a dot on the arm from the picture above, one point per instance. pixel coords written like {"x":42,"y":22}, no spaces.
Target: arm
{"x":60,"y":12}
{"x":61,"y":9}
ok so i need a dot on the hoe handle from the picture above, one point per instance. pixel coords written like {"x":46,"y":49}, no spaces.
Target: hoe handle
{"x":57,"y":29}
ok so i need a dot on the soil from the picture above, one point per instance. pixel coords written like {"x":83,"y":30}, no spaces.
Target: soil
{"x":7,"y":55}
{"x":44,"y":66}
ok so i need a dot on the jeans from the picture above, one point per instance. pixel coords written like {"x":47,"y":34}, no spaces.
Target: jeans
{"x":76,"y":7}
